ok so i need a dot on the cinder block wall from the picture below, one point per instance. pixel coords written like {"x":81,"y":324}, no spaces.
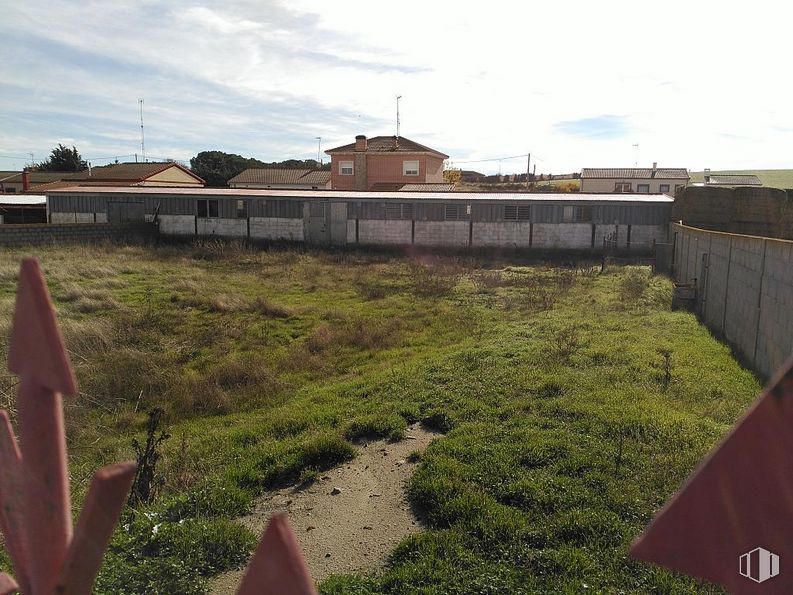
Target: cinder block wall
{"x":49,"y":233}
{"x":764,"y":212}
{"x":744,"y":290}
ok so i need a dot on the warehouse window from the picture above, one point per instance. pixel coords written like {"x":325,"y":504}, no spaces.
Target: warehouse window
{"x":517,"y":212}
{"x":410,"y":168}
{"x":451,"y":212}
{"x":207,"y":207}
{"x":664,"y":188}
{"x":393,"y":211}
{"x":644,"y":188}
{"x":577,"y":214}
{"x":345,"y":168}
{"x":242,"y":209}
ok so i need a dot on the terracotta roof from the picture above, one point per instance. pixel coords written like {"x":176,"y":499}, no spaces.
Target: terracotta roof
{"x":281,"y":176}
{"x":427,"y":188}
{"x":732,"y":180}
{"x":386,"y":144}
{"x":44,"y":177}
{"x":133,"y":172}
{"x":635,"y":173}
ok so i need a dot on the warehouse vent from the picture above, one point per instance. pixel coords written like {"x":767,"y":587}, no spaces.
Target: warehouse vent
{"x":517,"y":212}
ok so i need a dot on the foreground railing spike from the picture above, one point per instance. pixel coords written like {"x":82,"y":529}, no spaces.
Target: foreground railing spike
{"x":277,"y":566}
{"x":11,"y":498}
{"x":7,"y":584}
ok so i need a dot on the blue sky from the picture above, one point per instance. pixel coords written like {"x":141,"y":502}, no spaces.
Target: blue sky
{"x":576,"y":83}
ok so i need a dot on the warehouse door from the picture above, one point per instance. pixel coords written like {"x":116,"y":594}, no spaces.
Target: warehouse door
{"x":338,"y":223}
{"x":317,"y":223}
{"x":125,"y":212}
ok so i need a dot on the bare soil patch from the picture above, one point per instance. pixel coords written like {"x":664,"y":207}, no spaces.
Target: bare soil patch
{"x":351,"y":518}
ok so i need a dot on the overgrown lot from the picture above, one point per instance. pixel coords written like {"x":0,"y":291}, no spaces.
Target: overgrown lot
{"x":573,"y":404}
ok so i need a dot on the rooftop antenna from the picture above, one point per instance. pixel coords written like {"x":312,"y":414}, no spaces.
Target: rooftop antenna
{"x":319,"y":149}
{"x":142,"y":143}
{"x":398,"y":97}
{"x":636,"y":155}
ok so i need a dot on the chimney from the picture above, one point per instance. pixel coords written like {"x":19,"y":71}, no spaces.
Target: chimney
{"x":360,"y":142}
{"x":655,"y":165}
{"x":25,"y":180}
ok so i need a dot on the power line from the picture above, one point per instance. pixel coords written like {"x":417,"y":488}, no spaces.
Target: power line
{"x":496,"y":159}
{"x":15,"y":157}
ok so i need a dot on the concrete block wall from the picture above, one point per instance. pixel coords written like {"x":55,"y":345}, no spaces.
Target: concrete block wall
{"x":62,"y":233}
{"x":391,"y":231}
{"x":744,"y":291}
{"x":501,"y":233}
{"x":177,"y":225}
{"x":571,"y":236}
{"x":442,"y":233}
{"x":272,"y":228}
{"x":226,"y":228}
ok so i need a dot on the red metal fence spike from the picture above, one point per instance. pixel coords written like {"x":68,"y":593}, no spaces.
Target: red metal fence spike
{"x":277,"y":566}
{"x":11,"y":498}
{"x":103,"y":504}
{"x":38,"y":356}
{"x":739,"y":501}
{"x":7,"y":585}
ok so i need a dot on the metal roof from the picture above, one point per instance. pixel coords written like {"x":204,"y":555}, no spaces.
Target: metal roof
{"x":357,"y":195}
{"x":22,"y":199}
{"x":640,"y":173}
{"x":733,"y":180}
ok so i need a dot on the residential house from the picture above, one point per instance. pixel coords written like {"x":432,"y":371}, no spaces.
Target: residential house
{"x":647,"y":180}
{"x":282,"y":178}
{"x":384,"y":160}
{"x":119,"y":174}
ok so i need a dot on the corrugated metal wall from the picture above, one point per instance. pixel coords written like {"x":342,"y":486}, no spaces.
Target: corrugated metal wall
{"x":637,"y":213}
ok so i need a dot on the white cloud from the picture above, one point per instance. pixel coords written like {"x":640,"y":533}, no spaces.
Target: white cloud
{"x":696,"y":84}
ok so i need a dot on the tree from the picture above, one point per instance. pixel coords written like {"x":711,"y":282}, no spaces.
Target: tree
{"x":217,"y":167}
{"x":64,"y":159}
{"x":452,"y":176}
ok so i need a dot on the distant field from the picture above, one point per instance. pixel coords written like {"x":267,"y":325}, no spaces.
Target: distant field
{"x":775,"y":178}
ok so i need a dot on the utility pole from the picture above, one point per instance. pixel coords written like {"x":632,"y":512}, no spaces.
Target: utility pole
{"x":398,"y":97}
{"x":319,"y":149}
{"x":32,"y":160}
{"x":142,"y":143}
{"x":528,"y":169}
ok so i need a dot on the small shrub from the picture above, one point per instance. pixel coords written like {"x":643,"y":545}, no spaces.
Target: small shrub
{"x":565,"y":343}
{"x":211,"y":499}
{"x":434,"y":281}
{"x":370,"y":289}
{"x":146,"y":482}
{"x":373,"y":427}
{"x":266,"y":308}
{"x":487,"y":281}
{"x":438,"y":421}
{"x":320,"y":339}
{"x":633,"y":285}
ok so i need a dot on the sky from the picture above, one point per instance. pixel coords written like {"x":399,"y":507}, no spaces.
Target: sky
{"x":576,"y":84}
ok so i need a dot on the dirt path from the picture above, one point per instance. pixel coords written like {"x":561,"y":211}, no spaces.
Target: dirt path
{"x":353,"y":529}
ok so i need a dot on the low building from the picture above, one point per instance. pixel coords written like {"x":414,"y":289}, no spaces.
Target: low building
{"x":24,"y":208}
{"x":731,"y":180}
{"x":641,"y":180}
{"x":384,"y":160}
{"x":467,"y":175}
{"x":282,"y":178}
{"x":449,"y":219}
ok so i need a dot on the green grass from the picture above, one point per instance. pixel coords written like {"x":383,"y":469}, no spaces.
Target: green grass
{"x":564,"y":428}
{"x":774,"y":178}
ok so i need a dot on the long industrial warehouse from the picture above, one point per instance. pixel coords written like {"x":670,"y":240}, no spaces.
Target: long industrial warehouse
{"x":454,"y":219}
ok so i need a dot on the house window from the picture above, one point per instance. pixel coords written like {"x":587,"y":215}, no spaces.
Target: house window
{"x":623,"y":187}
{"x":242,"y":209}
{"x":207,"y":207}
{"x":345,"y":168}
{"x":410,"y":168}
{"x":664,"y":188}
{"x":517,"y":212}
{"x":645,"y":188}
{"x":577,"y":214}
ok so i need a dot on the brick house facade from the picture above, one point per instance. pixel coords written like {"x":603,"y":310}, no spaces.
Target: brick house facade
{"x":384,"y":161}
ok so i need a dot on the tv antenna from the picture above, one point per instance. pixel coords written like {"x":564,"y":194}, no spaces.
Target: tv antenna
{"x":142,"y":142}
{"x":636,"y":155}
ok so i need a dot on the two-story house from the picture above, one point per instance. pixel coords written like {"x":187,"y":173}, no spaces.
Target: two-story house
{"x":384,"y":163}
{"x":652,"y":180}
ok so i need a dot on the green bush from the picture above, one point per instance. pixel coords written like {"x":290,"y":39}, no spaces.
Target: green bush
{"x":375,"y":426}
